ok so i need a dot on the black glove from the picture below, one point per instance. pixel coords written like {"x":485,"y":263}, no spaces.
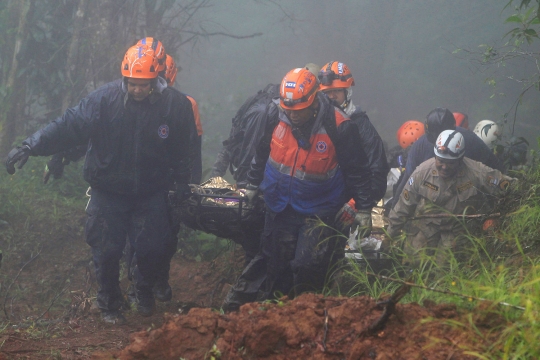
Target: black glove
{"x":55,"y":167}
{"x":183,"y":191}
{"x":20,"y":155}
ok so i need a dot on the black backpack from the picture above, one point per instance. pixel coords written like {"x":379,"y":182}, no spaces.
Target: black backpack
{"x":236,"y":137}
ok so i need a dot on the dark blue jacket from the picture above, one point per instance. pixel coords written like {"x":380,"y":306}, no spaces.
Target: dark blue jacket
{"x":133,"y":147}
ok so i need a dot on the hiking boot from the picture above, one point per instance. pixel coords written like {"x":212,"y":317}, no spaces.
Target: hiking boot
{"x":163,"y":291}
{"x":146,"y":305}
{"x":146,"y":309}
{"x":234,"y":299}
{"x":113,"y":317}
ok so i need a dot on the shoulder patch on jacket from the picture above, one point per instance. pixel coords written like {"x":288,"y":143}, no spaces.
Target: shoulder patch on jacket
{"x":492,"y":181}
{"x":430,"y":185}
{"x":465,"y":186}
{"x":406,"y":194}
{"x":504,"y":184}
{"x":411,"y":180}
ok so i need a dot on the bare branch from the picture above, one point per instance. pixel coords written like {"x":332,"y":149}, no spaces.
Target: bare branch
{"x":206,"y":34}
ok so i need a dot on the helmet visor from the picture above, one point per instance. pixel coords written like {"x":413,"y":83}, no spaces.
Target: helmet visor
{"x":326,"y":78}
{"x":292,"y":102}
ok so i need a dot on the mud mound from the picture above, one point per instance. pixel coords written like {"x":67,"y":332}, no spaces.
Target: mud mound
{"x":308,"y":327}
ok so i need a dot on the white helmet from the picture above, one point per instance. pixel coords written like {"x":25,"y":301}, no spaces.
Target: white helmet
{"x":450,"y":144}
{"x":488,"y":131}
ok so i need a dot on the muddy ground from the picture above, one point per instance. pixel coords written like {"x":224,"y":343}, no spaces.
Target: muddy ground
{"x":47,"y":303}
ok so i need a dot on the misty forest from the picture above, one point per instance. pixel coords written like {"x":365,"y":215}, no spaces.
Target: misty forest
{"x":479,"y":58}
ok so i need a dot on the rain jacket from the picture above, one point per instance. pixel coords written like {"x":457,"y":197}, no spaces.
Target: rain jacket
{"x":132,"y":146}
{"x":318,"y":181}
{"x":374,"y":150}
{"x":240,"y":147}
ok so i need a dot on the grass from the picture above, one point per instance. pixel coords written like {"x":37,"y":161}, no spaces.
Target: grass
{"x":49,"y":220}
{"x":502,"y":267}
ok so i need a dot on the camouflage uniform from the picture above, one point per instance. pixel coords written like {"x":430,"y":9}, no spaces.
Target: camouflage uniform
{"x":471,"y":190}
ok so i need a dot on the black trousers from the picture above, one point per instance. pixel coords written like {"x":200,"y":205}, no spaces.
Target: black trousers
{"x":145,"y":221}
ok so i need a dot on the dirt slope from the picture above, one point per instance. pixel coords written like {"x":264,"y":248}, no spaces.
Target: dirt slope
{"x":310,"y":327}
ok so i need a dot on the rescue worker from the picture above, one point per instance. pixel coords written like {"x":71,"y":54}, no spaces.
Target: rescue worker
{"x":489,"y":132}
{"x":462,"y":120}
{"x":449,"y":183}
{"x":512,"y":153}
{"x":136,"y":133}
{"x":238,"y":150}
{"x":248,"y":126}
{"x":169,"y":74}
{"x":406,"y":135}
{"x":55,"y":166}
{"x":246,"y":132}
{"x":309,"y":162}
{"x":438,"y":120}
{"x":162,"y":289}
{"x":336,"y":82}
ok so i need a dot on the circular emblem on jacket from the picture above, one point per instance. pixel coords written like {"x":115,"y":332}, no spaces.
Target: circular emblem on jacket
{"x":321,"y":146}
{"x":163,"y":131}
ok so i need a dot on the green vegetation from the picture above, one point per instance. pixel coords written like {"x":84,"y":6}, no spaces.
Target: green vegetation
{"x":43,"y":247}
{"x":499,"y":280}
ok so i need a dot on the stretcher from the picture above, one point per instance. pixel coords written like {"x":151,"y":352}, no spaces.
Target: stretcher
{"x":217,"y":207}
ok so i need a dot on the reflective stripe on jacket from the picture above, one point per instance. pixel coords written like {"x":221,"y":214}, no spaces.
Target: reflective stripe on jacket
{"x":311,"y":181}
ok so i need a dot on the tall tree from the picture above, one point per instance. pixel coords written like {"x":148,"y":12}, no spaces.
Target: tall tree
{"x":73,"y":75}
{"x":15,"y":89}
{"x":61,"y":50}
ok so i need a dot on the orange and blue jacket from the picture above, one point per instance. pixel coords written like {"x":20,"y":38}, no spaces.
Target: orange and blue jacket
{"x":317,"y":181}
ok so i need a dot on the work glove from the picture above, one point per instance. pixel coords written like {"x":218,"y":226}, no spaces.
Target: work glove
{"x":347,"y":217}
{"x":183,"y":191}
{"x":362,"y":219}
{"x":20,"y":155}
{"x":55,"y":167}
{"x":251,"y":193}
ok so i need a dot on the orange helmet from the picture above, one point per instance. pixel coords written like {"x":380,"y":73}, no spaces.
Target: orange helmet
{"x":335,"y":75}
{"x":409,"y":132}
{"x":140,"y":63}
{"x":298,"y":89}
{"x":158,"y":48}
{"x":462,"y":120}
{"x":170,"y":70}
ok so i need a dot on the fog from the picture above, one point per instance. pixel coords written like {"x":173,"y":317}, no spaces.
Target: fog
{"x":401,"y":54}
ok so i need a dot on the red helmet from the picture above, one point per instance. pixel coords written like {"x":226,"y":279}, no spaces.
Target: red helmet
{"x":298,"y":89}
{"x":462,"y":120}
{"x":409,"y":132}
{"x":140,"y":63}
{"x":170,"y":70}
{"x":158,"y":48}
{"x":335,"y":75}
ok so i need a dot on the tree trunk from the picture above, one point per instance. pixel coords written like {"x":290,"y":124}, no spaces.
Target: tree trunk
{"x":72,"y":71}
{"x":15,"y":87}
